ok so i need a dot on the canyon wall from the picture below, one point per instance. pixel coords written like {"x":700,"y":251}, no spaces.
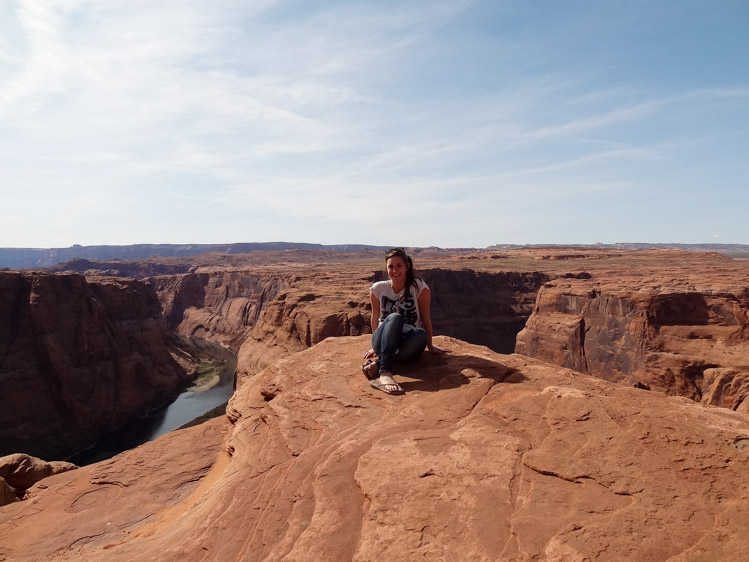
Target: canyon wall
{"x":674,"y":336}
{"x":673,"y":321}
{"x":486,"y":456}
{"x":221,"y":305}
{"x":484,"y":308}
{"x":79,"y":357}
{"x":267,"y":313}
{"x":481,"y":307}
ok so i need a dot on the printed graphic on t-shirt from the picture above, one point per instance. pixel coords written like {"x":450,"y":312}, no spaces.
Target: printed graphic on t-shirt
{"x":405,"y":306}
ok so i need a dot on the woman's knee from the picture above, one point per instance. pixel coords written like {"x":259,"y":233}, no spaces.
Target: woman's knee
{"x":393,"y":318}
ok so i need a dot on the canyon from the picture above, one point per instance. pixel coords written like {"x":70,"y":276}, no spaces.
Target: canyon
{"x":80,"y":356}
{"x":536,"y":440}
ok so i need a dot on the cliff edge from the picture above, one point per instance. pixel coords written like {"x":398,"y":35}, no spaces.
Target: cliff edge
{"x":79,"y":357}
{"x":486,"y":457}
{"x":680,"y":330}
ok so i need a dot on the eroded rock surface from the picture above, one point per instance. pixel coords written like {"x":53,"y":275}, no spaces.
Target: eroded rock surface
{"x":266,"y":311}
{"x":19,"y":472}
{"x":486,"y":457}
{"x":79,"y":357}
{"x":221,"y":305}
{"x":680,"y":327}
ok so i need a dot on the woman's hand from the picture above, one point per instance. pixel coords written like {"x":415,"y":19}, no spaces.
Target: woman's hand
{"x":436,"y":349}
{"x":368,"y":354}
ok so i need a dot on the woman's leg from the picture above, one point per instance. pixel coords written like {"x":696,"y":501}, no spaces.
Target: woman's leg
{"x":412,"y":345}
{"x":386,"y":341}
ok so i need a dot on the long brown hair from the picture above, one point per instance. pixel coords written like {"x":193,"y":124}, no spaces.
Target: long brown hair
{"x":401,"y":253}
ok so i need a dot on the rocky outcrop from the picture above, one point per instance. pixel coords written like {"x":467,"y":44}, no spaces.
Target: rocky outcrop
{"x":614,"y":314}
{"x":302,"y":316}
{"x":484,"y":308}
{"x":486,"y":457}
{"x":221,"y":305}
{"x":686,"y":336}
{"x":78,"y":358}
{"x":20,"y":472}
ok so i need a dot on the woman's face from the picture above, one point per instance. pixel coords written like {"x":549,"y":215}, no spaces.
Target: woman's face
{"x":396,"y":267}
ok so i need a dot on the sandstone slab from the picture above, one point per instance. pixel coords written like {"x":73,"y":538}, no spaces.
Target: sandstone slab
{"x":486,"y":457}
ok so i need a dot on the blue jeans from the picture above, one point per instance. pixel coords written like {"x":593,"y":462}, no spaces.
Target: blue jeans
{"x":391,"y":344}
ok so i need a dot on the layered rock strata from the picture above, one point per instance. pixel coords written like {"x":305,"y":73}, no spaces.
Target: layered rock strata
{"x":686,"y":335}
{"x":221,"y":305}
{"x":79,"y":357}
{"x":267,"y":305}
{"x":486,"y":457}
{"x":267,"y":312}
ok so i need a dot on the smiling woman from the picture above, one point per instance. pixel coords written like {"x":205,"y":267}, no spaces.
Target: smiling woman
{"x":401,"y":321}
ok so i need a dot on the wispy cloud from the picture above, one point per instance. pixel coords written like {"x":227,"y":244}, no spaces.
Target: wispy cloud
{"x":318,"y":119}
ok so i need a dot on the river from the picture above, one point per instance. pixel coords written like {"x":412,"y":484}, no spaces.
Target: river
{"x":189,"y":405}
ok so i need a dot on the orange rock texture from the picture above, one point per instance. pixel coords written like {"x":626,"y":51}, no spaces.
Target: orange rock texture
{"x":19,"y":472}
{"x":486,"y":457}
{"x":674,"y":321}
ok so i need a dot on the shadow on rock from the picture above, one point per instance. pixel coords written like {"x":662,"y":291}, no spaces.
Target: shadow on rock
{"x":432,"y":372}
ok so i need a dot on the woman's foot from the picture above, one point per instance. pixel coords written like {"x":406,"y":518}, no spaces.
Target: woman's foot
{"x":386,"y":383}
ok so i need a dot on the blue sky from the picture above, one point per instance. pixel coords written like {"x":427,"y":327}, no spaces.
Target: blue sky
{"x":411,"y":122}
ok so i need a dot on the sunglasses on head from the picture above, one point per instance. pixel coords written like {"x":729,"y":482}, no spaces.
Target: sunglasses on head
{"x":396,"y":251}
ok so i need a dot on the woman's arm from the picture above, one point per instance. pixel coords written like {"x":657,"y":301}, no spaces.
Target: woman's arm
{"x":375,"y":320}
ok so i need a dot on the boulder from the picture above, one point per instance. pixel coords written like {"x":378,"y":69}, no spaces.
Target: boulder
{"x":23,"y":471}
{"x":19,"y":472}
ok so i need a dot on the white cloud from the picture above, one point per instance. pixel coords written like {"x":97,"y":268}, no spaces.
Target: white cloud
{"x":315,"y":118}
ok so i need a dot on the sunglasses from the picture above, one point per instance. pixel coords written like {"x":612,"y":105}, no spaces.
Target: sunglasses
{"x":395,"y":251}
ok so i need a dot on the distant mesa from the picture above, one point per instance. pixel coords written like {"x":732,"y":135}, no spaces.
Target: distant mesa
{"x":18,"y":258}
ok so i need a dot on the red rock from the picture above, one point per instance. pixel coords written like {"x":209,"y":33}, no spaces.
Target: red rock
{"x":222,"y":305}
{"x":681,"y":334}
{"x":658,"y":318}
{"x":23,"y":471}
{"x":79,"y":357}
{"x":8,"y":494}
{"x":19,"y":472}
{"x":486,"y":457}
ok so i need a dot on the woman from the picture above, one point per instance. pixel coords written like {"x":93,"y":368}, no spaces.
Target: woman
{"x":401,"y":321}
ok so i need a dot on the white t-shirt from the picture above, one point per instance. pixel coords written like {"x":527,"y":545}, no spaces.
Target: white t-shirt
{"x":406,"y":305}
